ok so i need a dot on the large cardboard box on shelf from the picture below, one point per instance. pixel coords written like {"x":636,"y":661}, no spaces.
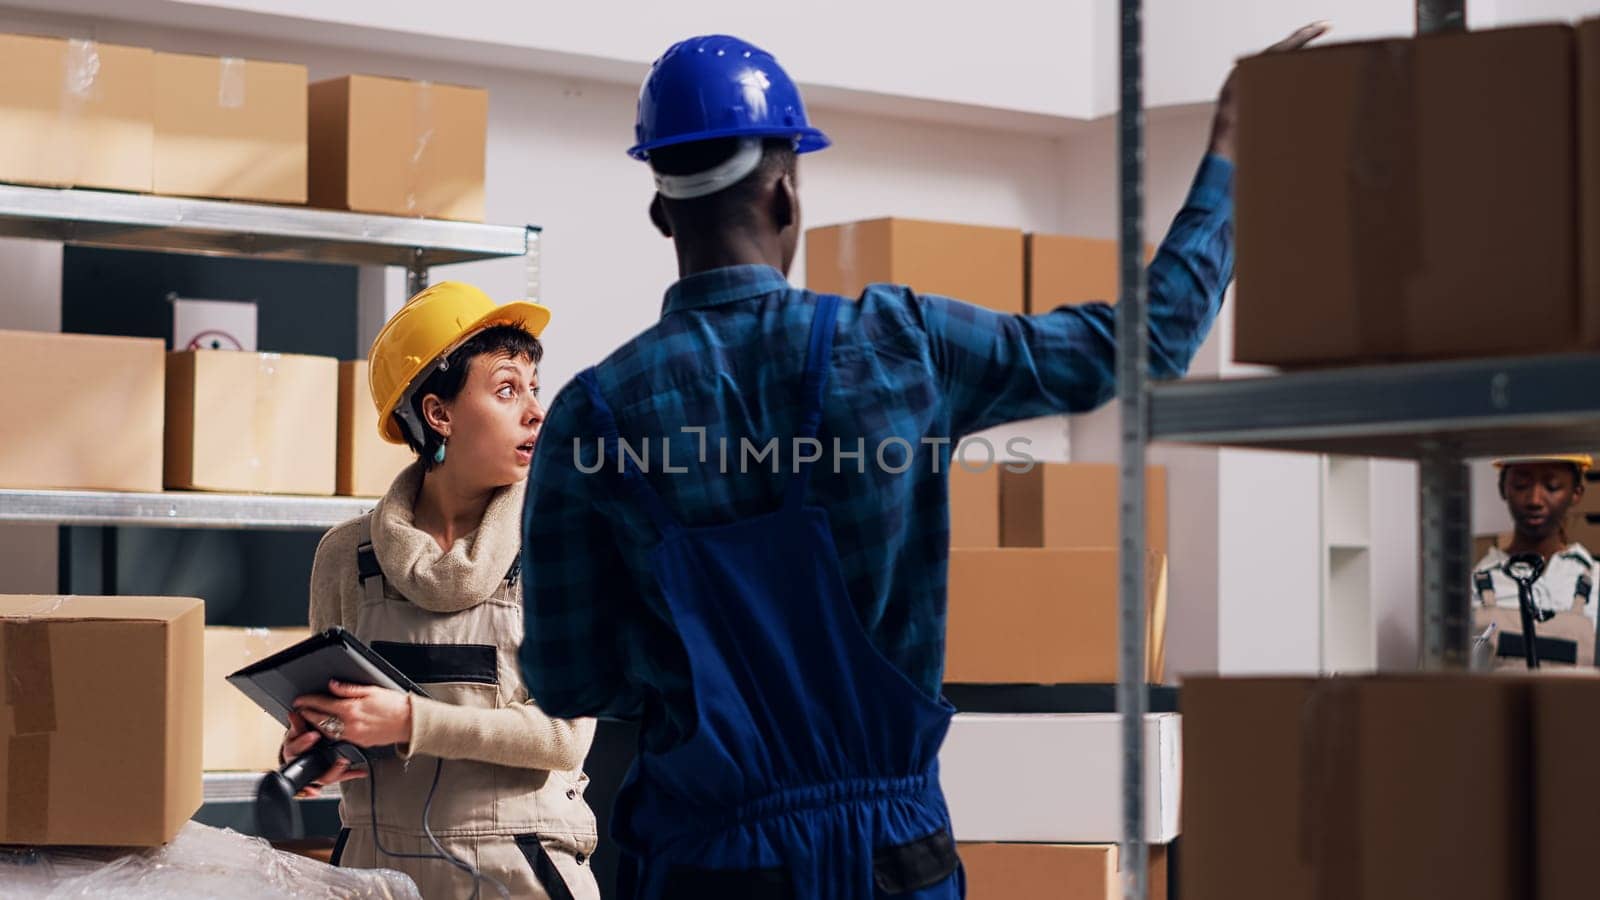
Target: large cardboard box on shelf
{"x":402,"y":148}
{"x":1375,"y":788}
{"x":1075,"y":505}
{"x":229,"y":128}
{"x":86,"y":433}
{"x":1366,"y":228}
{"x":978,"y":264}
{"x":1043,"y":616}
{"x":1565,"y":731}
{"x":974,"y":505}
{"x":1055,"y":778}
{"x":367,"y":463}
{"x":251,"y":422}
{"x":1589,"y":159}
{"x":102,"y":737}
{"x":1053,"y":871}
{"x":76,"y":113}
{"x":240,"y":736}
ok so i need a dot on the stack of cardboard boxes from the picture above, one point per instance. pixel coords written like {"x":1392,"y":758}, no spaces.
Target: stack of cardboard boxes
{"x":211,"y":420}
{"x":92,"y":115}
{"x":1033,"y":585}
{"x":1424,"y":198}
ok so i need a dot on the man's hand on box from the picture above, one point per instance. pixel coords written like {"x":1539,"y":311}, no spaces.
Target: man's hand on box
{"x":1225,"y":124}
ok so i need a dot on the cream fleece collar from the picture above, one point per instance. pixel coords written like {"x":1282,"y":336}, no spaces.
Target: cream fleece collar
{"x":432,"y":578}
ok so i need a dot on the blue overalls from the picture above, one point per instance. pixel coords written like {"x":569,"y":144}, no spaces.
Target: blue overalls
{"x":813,"y":769}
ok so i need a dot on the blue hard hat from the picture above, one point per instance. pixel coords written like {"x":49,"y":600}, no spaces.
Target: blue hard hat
{"x":716,"y":86}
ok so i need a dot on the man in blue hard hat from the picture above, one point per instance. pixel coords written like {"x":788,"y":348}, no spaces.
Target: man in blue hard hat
{"x":770,"y":612}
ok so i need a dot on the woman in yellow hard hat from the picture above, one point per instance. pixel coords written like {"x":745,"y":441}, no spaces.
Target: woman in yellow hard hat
{"x":483,"y":781}
{"x":1541,"y":492}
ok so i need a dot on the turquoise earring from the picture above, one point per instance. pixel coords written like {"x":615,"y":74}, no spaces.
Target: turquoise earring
{"x":438,"y":455}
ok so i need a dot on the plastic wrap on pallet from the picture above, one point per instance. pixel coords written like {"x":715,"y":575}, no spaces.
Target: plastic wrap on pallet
{"x":201,"y":863}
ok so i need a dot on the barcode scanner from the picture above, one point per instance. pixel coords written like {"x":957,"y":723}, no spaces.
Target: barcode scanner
{"x":275,"y":809}
{"x":1525,"y":569}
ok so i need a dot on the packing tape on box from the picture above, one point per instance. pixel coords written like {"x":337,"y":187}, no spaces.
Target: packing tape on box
{"x":262,"y":419}
{"x":1330,"y":801}
{"x":1155,"y":589}
{"x":79,"y":80}
{"x":230,"y":82}
{"x":30,"y":695}
{"x":1385,"y":195}
{"x":421,"y":145}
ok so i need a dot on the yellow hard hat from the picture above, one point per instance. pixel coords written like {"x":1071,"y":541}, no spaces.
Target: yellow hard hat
{"x":1583,"y":461}
{"x":432,"y":324}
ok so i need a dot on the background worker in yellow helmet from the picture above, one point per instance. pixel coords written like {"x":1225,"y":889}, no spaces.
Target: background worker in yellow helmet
{"x":1540,"y":492}
{"x":430,"y":579}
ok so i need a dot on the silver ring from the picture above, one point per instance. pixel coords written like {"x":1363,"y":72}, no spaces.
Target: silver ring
{"x":332,"y":726}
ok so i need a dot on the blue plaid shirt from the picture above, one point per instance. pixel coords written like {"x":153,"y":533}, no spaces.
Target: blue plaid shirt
{"x":727,"y":357}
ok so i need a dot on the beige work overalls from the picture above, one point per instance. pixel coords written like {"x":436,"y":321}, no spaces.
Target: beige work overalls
{"x":528,"y":828}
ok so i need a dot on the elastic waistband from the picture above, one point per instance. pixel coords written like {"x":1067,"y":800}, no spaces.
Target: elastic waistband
{"x":835,"y":793}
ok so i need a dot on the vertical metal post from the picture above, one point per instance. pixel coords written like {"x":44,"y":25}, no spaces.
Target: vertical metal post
{"x":416,"y":275}
{"x":1441,"y":15}
{"x":1132,"y":351}
{"x":108,"y":559}
{"x":535,"y":262}
{"x":1445,"y":506}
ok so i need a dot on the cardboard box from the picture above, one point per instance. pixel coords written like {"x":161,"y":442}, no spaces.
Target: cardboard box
{"x":1065,"y":270}
{"x":1589,"y":160}
{"x":1565,"y":729}
{"x":974,"y":263}
{"x":102,"y":739}
{"x":1075,"y":505}
{"x":402,"y":148}
{"x":251,"y":422}
{"x":83,"y":432}
{"x":367,"y":462}
{"x":974,"y":505}
{"x":1053,"y":871}
{"x":75,"y":113}
{"x":1055,"y":778}
{"x":239,"y":736}
{"x":1038,"y":616}
{"x":1356,"y":789}
{"x":1367,"y":230}
{"x":230,"y":128}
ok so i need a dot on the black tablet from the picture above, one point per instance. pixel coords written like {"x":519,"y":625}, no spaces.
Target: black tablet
{"x":307,"y":667}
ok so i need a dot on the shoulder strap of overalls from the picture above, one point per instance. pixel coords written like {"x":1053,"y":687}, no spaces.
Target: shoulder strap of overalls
{"x":369,"y":572}
{"x":814,"y":389}
{"x":605,"y":423}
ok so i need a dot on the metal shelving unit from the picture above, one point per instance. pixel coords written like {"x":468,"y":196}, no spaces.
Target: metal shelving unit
{"x":228,"y":801}
{"x":221,"y":228}
{"x":175,"y":509}
{"x":215,"y":228}
{"x":1437,"y":414}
